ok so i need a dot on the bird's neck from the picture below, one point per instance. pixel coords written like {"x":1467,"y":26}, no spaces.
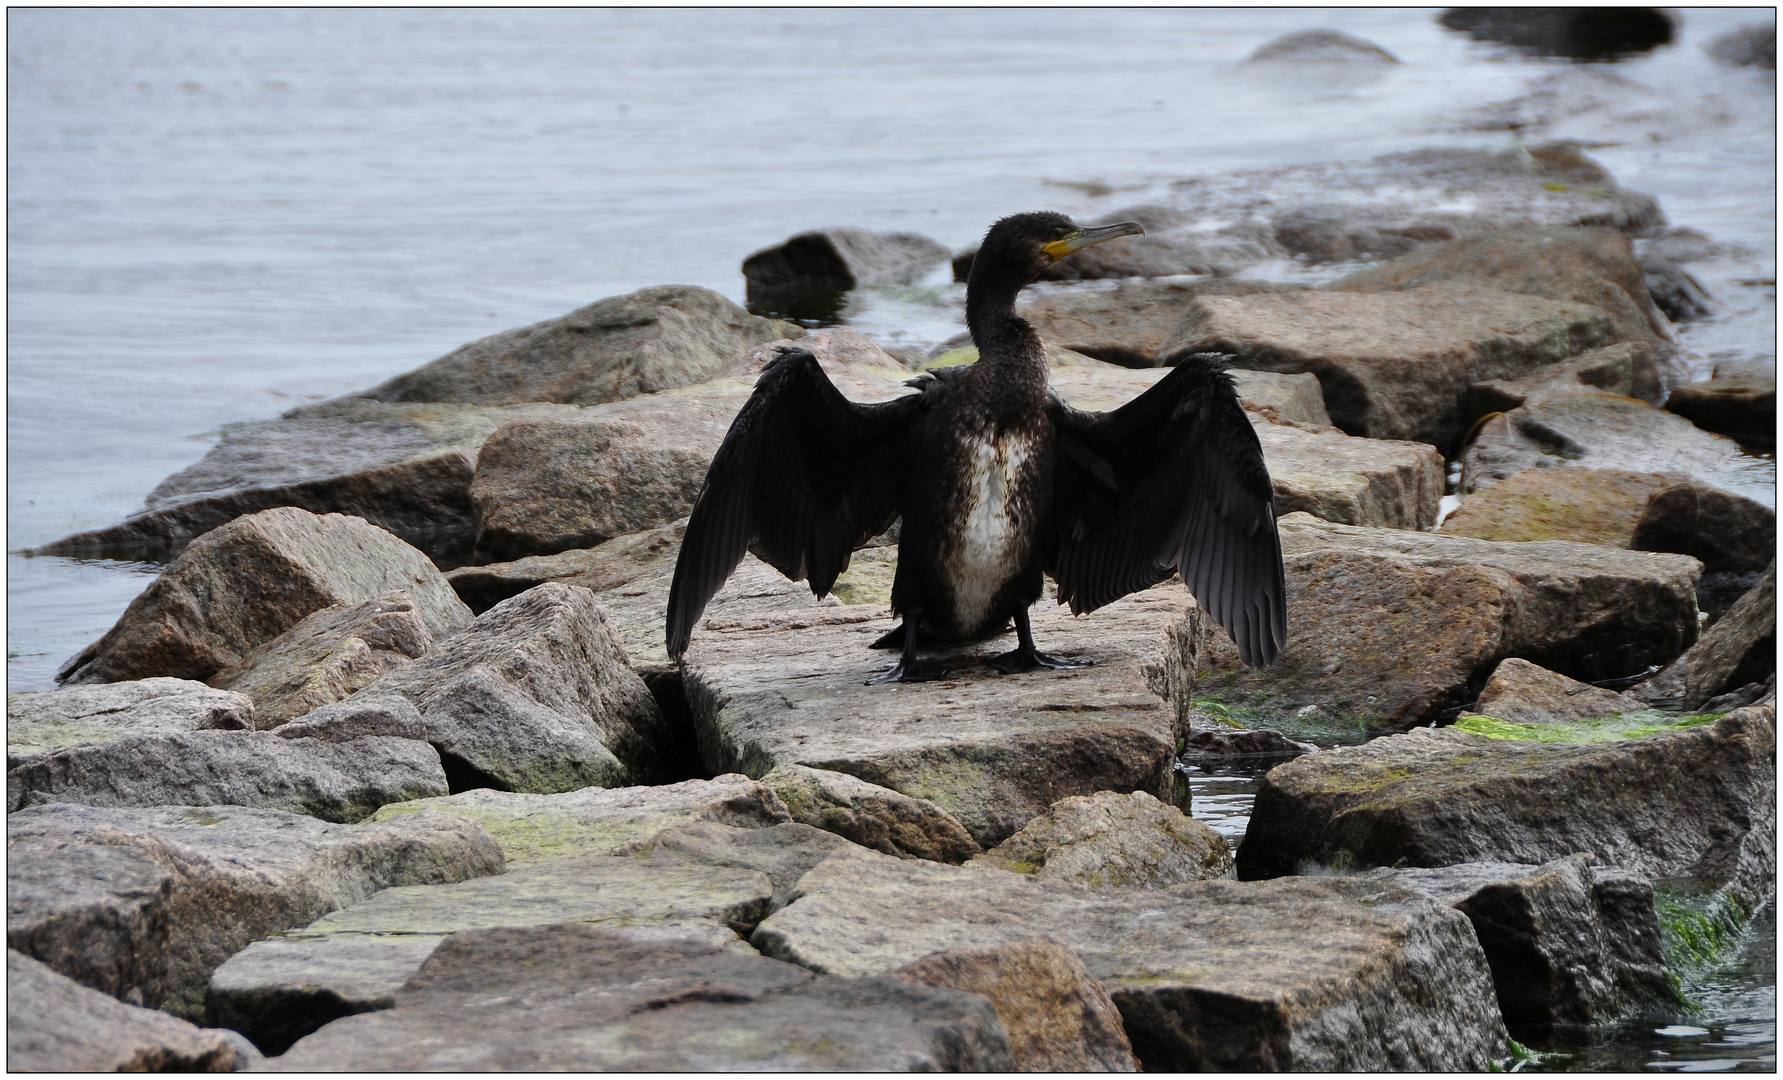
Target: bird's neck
{"x":1004,"y":339}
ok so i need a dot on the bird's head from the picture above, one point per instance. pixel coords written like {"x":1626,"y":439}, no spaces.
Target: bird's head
{"x":1020,"y":246}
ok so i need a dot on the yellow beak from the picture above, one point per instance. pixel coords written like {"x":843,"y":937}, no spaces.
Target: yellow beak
{"x":1083,"y":238}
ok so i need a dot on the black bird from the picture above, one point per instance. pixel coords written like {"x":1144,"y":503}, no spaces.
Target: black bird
{"x":998,"y":481}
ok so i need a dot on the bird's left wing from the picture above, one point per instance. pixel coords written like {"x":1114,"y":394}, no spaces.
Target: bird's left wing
{"x":1172,"y":480}
{"x":803,"y":477}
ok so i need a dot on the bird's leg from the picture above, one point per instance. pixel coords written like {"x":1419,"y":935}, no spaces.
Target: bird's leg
{"x":909,"y":668}
{"x":1025,"y":656}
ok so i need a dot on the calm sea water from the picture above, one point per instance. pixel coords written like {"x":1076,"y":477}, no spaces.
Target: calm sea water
{"x":215,"y":215}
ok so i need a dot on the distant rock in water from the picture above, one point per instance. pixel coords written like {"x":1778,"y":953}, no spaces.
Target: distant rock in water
{"x":804,"y":279}
{"x":1322,"y":47}
{"x":1575,"y":33}
{"x":1747,"y":46}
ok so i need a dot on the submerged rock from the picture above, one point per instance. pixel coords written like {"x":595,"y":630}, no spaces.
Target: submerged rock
{"x":1107,"y":840}
{"x":1321,"y":47}
{"x":805,"y":277}
{"x":1746,"y":46}
{"x":579,"y":998}
{"x":54,"y":1024}
{"x":39,"y":721}
{"x":870,"y":815}
{"x":242,"y":585}
{"x":1523,"y":693}
{"x":1739,"y":649}
{"x":143,"y":903}
{"x":1581,"y":33}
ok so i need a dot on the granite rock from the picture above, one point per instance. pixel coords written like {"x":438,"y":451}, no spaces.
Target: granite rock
{"x":1106,"y":840}
{"x":1739,"y":649}
{"x":870,"y":815}
{"x":39,"y":721}
{"x":1524,"y":693}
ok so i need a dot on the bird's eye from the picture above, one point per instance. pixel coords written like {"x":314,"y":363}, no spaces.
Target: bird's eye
{"x":1059,"y":232}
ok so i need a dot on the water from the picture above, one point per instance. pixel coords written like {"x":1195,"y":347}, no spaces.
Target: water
{"x":215,"y":215}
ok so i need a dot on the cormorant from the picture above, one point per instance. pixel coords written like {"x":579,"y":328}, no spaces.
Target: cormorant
{"x":997,"y":481}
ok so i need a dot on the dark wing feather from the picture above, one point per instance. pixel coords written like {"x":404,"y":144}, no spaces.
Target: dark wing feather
{"x":1172,"y":480}
{"x":802,"y":479}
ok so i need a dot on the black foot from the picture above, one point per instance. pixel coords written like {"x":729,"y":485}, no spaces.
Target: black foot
{"x":911,"y":671}
{"x":1017,"y":661}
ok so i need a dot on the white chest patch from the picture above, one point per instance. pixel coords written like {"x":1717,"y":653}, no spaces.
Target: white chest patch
{"x":987,"y":548}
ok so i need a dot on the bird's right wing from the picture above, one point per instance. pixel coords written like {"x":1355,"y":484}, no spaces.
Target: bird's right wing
{"x":803,"y":478}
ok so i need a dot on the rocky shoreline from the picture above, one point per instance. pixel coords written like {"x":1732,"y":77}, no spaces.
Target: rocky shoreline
{"x":389,"y":769}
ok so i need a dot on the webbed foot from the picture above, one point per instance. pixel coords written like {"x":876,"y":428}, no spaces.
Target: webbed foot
{"x":1019,"y":660}
{"x":911,"y":671}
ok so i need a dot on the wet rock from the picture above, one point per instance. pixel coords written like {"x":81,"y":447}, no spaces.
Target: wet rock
{"x":333,"y":781}
{"x":1106,"y":840}
{"x":1739,"y":649}
{"x":1322,"y":47}
{"x":1727,"y":533}
{"x":39,"y":721}
{"x":806,"y":276}
{"x":1575,"y":33}
{"x":596,"y":821}
{"x":1387,"y":628}
{"x":1594,"y":266}
{"x":536,"y":695}
{"x":1229,"y":742}
{"x":240,"y":586}
{"x":1340,"y":232}
{"x":1589,"y":104}
{"x":1524,"y":693}
{"x":1316,"y":974}
{"x":1675,"y":803}
{"x":1129,"y":324}
{"x":1627,"y":369}
{"x":1377,"y":483}
{"x":1059,"y":1018}
{"x":1746,"y":46}
{"x":1739,"y":400}
{"x":1684,"y":244}
{"x":54,"y":1024}
{"x":358,"y":959}
{"x":993,"y":752}
{"x":568,"y":482}
{"x":1681,"y":297}
{"x":577,"y":998}
{"x":1395,"y":365}
{"x":870,"y":815}
{"x":1569,"y":943}
{"x":405,"y":467}
{"x":327,"y":656}
{"x":144,"y":903}
{"x":650,"y":340}
{"x":1598,"y":431}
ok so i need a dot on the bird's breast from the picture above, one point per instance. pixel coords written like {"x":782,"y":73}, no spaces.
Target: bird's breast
{"x":991,"y":531}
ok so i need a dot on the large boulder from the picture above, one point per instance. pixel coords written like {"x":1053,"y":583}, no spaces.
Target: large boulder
{"x":1308,"y":974}
{"x":327,"y":656}
{"x":342,"y":781}
{"x":583,"y":999}
{"x":1107,"y":841}
{"x":1395,"y":365}
{"x":536,"y":695}
{"x":992,"y":751}
{"x":405,"y":467}
{"x":1388,"y":628}
{"x":1577,"y":33}
{"x":1739,"y":649}
{"x":1059,"y":1018}
{"x":1688,"y":799}
{"x":870,"y":815}
{"x":1129,"y":324}
{"x":54,"y":1024}
{"x":596,"y":821}
{"x":143,"y":903}
{"x":653,"y":339}
{"x":1738,"y":400}
{"x":241,"y":585}
{"x":39,"y":721}
{"x":547,"y":485}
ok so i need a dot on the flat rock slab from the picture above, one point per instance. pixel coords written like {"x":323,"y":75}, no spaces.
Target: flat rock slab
{"x":1107,"y":840}
{"x":1526,"y":693}
{"x":38,"y":721}
{"x":1375,"y":483}
{"x":1128,"y":324}
{"x":536,"y":695}
{"x":244,"y":584}
{"x":54,"y":1024}
{"x":653,"y":339}
{"x":329,"y":655}
{"x":405,"y":467}
{"x":1307,"y":974}
{"x":143,"y":904}
{"x":1395,"y":365}
{"x":334,"y":781}
{"x":1676,"y":803}
{"x":870,"y":815}
{"x":1387,"y":627}
{"x":574,"y":998}
{"x":1569,"y":943}
{"x":596,"y":821}
{"x":990,"y":750}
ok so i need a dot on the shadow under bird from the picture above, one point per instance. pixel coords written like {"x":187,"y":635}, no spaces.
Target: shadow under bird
{"x":998,"y":482}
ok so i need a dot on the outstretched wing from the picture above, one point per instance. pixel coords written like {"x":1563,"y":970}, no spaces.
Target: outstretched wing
{"x":1172,"y":480}
{"x":804,"y":477}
